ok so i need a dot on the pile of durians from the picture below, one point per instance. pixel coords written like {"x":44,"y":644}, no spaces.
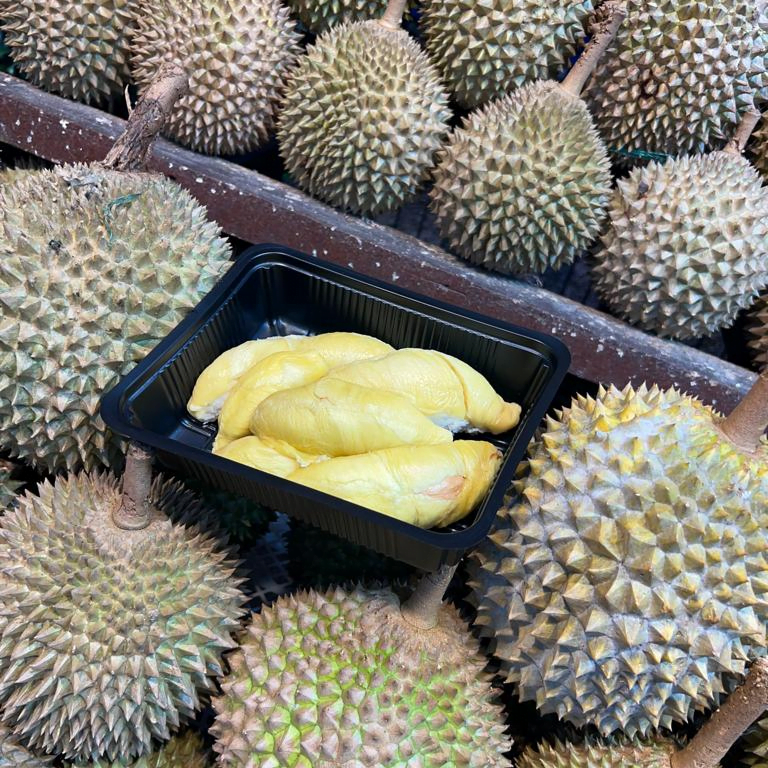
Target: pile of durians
{"x":624,"y":586}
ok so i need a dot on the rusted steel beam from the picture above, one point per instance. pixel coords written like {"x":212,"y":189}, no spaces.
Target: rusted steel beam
{"x":259,"y":209}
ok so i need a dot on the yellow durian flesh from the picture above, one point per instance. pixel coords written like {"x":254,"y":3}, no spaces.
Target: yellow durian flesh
{"x":271,"y":456}
{"x":425,"y":485}
{"x":277,"y":372}
{"x":338,"y":418}
{"x":216,"y":381}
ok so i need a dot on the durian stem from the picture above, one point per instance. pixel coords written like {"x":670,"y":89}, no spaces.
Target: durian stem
{"x":131,"y":150}
{"x":606,"y":23}
{"x":393,"y":16}
{"x":423,"y":606}
{"x":134,"y":509}
{"x":743,"y":131}
{"x":749,"y":419}
{"x":748,"y":702}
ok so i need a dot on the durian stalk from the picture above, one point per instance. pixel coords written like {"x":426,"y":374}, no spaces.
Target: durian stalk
{"x":749,"y":419}
{"x":133,"y":512}
{"x":423,"y":606}
{"x":131,"y":150}
{"x":743,"y":131}
{"x":748,"y":702}
{"x":607,"y":20}
{"x":393,"y":16}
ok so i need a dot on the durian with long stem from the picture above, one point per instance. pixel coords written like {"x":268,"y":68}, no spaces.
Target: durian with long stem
{"x":355,"y":677}
{"x":524,"y":184}
{"x":363,"y":115}
{"x":687,"y":245}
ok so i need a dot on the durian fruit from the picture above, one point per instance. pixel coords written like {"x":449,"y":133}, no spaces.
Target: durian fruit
{"x":75,"y":49}
{"x":524,"y":184}
{"x":678,"y":75}
{"x":363,"y":115}
{"x":96,"y":265}
{"x":237,"y":54}
{"x":185,"y":751}
{"x":760,"y":149}
{"x":15,"y":755}
{"x":353,"y":678}
{"x":319,"y":15}
{"x":687,"y":246}
{"x":9,"y":488}
{"x":599,"y":754}
{"x":756,"y":745}
{"x":485,"y":49}
{"x":758,"y":331}
{"x":268,"y":455}
{"x":111,"y":634}
{"x":626,"y":582}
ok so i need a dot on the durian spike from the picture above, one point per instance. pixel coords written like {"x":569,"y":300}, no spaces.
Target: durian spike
{"x":749,"y":419}
{"x":393,"y":16}
{"x":743,"y":131}
{"x":423,"y":606}
{"x":131,"y":150}
{"x":748,"y":702}
{"x":606,"y":23}
{"x":134,"y":511}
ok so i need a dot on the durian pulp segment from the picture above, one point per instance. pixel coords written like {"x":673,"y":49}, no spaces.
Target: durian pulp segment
{"x":185,"y":751}
{"x":687,"y":246}
{"x":599,"y":754}
{"x":237,"y":54}
{"x":78,"y":50}
{"x":357,"y":687}
{"x":678,"y":75}
{"x":626,"y":583}
{"x":486,"y":49}
{"x":363,"y":115}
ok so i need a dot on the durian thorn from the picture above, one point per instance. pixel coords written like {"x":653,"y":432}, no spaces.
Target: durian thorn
{"x":131,"y":150}
{"x":743,"y":131}
{"x":745,"y":705}
{"x":749,"y":419}
{"x":421,"y":609}
{"x":393,"y":15}
{"x":133,"y":513}
{"x":606,"y":23}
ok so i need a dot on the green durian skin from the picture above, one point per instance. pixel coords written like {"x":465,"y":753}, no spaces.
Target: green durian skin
{"x":185,"y":751}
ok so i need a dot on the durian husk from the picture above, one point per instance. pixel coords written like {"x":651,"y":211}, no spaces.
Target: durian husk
{"x":97,"y":267}
{"x":110,"y":638}
{"x":616,"y":753}
{"x":341,"y":678}
{"x":78,"y":50}
{"x":760,"y":149}
{"x":363,"y":115}
{"x":237,"y":54}
{"x":13,"y":754}
{"x":319,"y":15}
{"x":757,"y":329}
{"x":756,"y":745}
{"x":185,"y":751}
{"x":9,"y":488}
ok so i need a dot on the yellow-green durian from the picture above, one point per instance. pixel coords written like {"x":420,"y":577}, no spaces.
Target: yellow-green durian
{"x":237,"y":54}
{"x":109,"y":638}
{"x":13,"y":754}
{"x":626,"y":582}
{"x":95,"y":267}
{"x":342,"y":678}
{"x":76,"y":49}
{"x":486,"y":48}
{"x":185,"y":751}
{"x":363,"y":115}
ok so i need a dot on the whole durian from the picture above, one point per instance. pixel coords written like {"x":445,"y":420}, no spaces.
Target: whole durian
{"x":186,"y":751}
{"x":320,"y":15}
{"x":678,"y":75}
{"x":16,"y":755}
{"x":76,"y":49}
{"x":363,"y":115}
{"x":111,"y":635}
{"x":524,"y":184}
{"x":627,"y":581}
{"x":345,"y":678}
{"x":9,"y":488}
{"x":237,"y":54}
{"x":687,"y":246}
{"x":485,"y":49}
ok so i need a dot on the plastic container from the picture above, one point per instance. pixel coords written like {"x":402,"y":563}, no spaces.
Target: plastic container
{"x":271,"y":290}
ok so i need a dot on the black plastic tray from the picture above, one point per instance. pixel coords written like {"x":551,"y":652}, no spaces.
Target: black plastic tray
{"x":272,"y":290}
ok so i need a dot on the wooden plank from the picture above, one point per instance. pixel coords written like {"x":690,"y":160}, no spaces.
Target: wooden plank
{"x":259,"y":209}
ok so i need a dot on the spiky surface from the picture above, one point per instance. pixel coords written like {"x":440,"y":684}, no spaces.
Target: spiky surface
{"x":617,"y":754}
{"x":628,"y":578}
{"x":687,"y":245}
{"x":109,"y":638}
{"x":760,"y":148}
{"x":15,"y":755}
{"x":8,"y":489}
{"x":236,"y":53}
{"x":524,"y":184}
{"x":679,"y":74}
{"x":319,"y":15}
{"x":755,"y":745}
{"x":185,"y":751}
{"x":485,"y":49}
{"x":363,"y":115}
{"x":95,"y":268}
{"x":758,"y":332}
{"x":338,"y":678}
{"x":76,"y":49}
